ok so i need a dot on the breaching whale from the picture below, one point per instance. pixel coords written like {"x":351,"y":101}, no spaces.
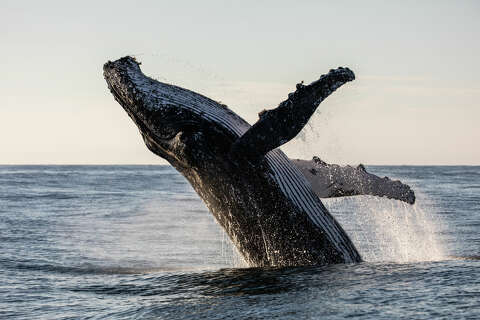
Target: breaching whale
{"x":256,"y":193}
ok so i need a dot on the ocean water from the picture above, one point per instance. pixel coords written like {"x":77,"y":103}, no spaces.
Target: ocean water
{"x":123,"y":242}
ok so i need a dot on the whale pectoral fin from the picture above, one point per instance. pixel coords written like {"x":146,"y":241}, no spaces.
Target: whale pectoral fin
{"x":331,"y":180}
{"x":278,"y":126}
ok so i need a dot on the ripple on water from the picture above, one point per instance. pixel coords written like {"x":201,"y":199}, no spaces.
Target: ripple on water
{"x":127,"y":242}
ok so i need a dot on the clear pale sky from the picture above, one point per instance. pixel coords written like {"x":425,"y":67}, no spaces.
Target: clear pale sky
{"x":415,"y":99}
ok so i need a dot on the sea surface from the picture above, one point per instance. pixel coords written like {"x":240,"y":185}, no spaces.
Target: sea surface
{"x":125,"y":242}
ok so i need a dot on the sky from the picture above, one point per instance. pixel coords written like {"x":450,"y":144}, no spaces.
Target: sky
{"x":415,"y":100}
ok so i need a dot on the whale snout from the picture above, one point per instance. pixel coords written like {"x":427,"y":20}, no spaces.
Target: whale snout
{"x":117,"y":73}
{"x":121,"y":64}
{"x":116,"y":69}
{"x":123,"y":79}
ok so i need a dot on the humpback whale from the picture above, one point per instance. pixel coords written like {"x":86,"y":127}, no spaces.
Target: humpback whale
{"x":261,"y":198}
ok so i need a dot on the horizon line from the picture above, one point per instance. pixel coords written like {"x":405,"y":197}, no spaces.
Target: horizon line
{"x":167,"y":164}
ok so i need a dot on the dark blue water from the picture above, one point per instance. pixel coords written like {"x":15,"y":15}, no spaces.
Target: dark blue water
{"x":123,"y":242}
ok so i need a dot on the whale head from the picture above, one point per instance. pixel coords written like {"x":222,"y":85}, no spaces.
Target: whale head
{"x":187,"y":129}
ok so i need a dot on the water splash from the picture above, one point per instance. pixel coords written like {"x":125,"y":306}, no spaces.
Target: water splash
{"x":231,"y":257}
{"x":389,"y":230}
{"x":382,"y":229}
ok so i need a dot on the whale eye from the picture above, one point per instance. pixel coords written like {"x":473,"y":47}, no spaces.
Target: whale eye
{"x":167,"y":134}
{"x":171,"y":130}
